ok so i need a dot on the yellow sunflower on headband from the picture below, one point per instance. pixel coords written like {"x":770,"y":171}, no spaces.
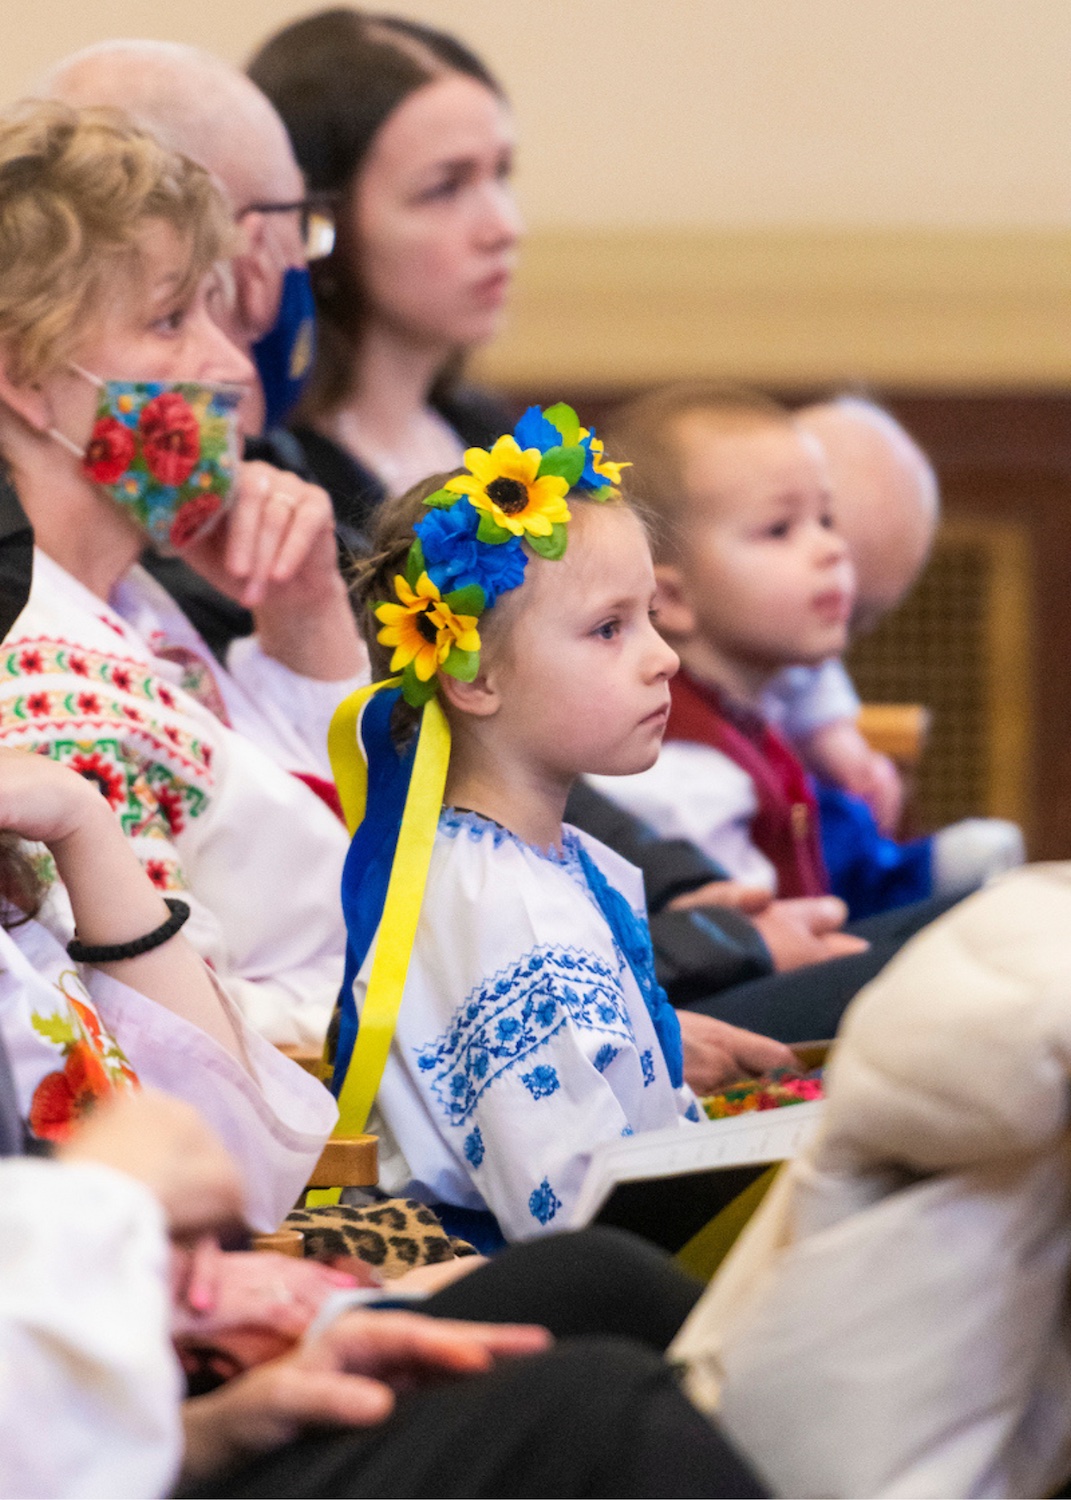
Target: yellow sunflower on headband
{"x":503,"y":485}
{"x":424,"y":630}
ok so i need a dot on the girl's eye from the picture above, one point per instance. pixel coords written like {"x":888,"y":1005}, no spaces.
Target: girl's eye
{"x":607,"y":630}
{"x":779,"y":529}
{"x":445,"y":187}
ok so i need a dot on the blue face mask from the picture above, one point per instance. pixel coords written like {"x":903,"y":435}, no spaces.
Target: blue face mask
{"x":284,"y":355}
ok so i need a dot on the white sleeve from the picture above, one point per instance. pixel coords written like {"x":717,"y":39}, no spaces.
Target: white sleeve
{"x":90,"y":1390}
{"x":273,"y":1118}
{"x":263,"y":866}
{"x":295,"y":705}
{"x":697,"y":793}
{"x":801,"y":700}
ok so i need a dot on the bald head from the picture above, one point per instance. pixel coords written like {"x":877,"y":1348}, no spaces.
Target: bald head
{"x":192,"y":102}
{"x":885,"y":497}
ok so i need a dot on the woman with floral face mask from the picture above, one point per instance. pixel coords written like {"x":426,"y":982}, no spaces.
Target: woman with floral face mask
{"x":412,"y":135}
{"x":117,"y":396}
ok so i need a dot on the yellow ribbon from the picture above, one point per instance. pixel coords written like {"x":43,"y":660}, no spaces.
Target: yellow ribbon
{"x":405,"y":890}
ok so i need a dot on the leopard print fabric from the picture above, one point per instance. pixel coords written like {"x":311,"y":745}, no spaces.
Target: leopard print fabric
{"x":394,"y":1235}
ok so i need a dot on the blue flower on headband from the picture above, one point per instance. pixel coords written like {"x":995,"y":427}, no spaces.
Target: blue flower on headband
{"x":534,"y":431}
{"x":455,"y":558}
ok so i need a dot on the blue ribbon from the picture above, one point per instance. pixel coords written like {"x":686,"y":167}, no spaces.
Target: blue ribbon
{"x":633,"y":937}
{"x":366,"y":873}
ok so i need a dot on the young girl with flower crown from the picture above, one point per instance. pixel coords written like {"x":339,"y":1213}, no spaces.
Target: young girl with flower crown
{"x":524,"y":1020}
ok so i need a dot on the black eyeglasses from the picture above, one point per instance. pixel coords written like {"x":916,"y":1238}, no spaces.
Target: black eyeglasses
{"x":317,"y":222}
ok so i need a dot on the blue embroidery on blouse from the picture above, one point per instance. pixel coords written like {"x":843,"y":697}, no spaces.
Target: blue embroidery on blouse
{"x":453,"y":822}
{"x":628,"y":1130}
{"x":474,"y":1147}
{"x":692,"y":1113}
{"x":647,"y":1064}
{"x":605,"y":1056}
{"x":541,"y":1082}
{"x":544,"y":1203}
{"x":514,"y":1013}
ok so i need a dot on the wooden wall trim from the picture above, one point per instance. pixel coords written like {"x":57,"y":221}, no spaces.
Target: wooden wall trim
{"x":963,"y":310}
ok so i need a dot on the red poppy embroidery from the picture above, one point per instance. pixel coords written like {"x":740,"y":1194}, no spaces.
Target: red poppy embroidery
{"x":193,"y":518}
{"x":89,"y":703}
{"x":95,"y":768}
{"x":170,"y":438}
{"x":30,"y":661}
{"x":60,"y":1100}
{"x":166,"y":696}
{"x":110,"y":450}
{"x":121,"y":679}
{"x":206,"y":754}
{"x":158,"y":873}
{"x":37,"y":703}
{"x":78,"y":665}
{"x":170,"y":804}
{"x":172,"y":733}
{"x":132,"y":713}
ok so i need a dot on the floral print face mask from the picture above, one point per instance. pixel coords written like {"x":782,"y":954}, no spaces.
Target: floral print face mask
{"x":166,"y":451}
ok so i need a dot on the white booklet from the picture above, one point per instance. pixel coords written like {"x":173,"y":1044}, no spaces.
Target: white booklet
{"x":741,"y":1147}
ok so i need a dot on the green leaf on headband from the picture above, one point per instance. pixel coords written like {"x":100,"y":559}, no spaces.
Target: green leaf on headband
{"x":568,"y":463}
{"x":565,"y":419}
{"x":442,"y":499}
{"x":467,"y":601}
{"x":490,"y":531}
{"x":551,"y":547}
{"x":414,"y":564}
{"x":462,"y":664}
{"x":415,"y":692}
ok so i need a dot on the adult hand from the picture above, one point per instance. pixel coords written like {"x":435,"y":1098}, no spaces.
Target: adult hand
{"x":276,"y":554}
{"x":749,"y":900}
{"x":806,"y":930}
{"x":165,"y":1145}
{"x":717,"y":1054}
{"x":249,"y":1306}
{"x":346,"y":1377}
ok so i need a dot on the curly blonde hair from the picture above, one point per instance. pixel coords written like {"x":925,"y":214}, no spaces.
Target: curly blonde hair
{"x":77,"y":189}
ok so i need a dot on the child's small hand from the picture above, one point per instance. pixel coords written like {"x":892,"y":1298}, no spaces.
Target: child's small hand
{"x":839,"y":754}
{"x":717,"y":1054}
{"x":879,"y":784}
{"x":42,"y":801}
{"x":806,"y":930}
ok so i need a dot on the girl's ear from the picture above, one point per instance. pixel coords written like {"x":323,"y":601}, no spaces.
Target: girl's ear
{"x":676,"y":617}
{"x":480,"y":697}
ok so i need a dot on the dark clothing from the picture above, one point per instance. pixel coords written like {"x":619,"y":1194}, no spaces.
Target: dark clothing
{"x":591,"y":1417}
{"x":806,"y":1005}
{"x":593,"y":1283}
{"x":713,"y":960}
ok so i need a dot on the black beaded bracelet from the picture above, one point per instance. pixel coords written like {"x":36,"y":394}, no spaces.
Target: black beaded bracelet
{"x":110,"y":953}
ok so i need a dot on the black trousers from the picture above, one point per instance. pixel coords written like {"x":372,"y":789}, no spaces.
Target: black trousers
{"x":806,"y":1004}
{"x":593,"y":1417}
{"x":592,"y":1283}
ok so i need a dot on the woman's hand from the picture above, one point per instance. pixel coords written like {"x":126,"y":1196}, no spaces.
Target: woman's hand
{"x":45,"y":802}
{"x":346,"y":1377}
{"x":276,"y":554}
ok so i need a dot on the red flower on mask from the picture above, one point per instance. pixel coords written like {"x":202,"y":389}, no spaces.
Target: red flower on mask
{"x":109,"y":452}
{"x":170,"y":438}
{"x":192,"y":519}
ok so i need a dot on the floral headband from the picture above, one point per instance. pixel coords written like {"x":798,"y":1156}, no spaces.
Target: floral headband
{"x":470,"y":549}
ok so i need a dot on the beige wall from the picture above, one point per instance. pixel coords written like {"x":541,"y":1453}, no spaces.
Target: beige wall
{"x":794,"y":189}
{"x":717,"y":113}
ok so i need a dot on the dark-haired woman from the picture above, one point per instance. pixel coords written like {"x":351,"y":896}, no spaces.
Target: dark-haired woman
{"x":412,"y":136}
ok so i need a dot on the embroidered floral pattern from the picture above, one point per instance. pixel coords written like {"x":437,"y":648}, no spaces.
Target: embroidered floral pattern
{"x":474,"y":1148}
{"x":94,"y":1064}
{"x":455,"y":823}
{"x":516,"y":1012}
{"x":605,"y":1056}
{"x":541,"y":1082}
{"x":544,"y":1203}
{"x":647,"y":1065}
